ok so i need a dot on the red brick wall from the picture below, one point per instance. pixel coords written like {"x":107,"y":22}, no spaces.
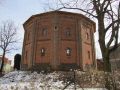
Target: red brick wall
{"x":48,"y":54}
{"x":56,"y":41}
{"x":86,"y":44}
{"x":64,"y":57}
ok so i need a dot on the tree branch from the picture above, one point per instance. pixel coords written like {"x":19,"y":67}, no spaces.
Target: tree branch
{"x":76,"y":9}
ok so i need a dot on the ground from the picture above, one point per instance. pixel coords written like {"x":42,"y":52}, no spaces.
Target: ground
{"x":24,"y":80}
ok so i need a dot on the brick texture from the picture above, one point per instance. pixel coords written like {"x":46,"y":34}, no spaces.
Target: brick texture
{"x":57,"y":31}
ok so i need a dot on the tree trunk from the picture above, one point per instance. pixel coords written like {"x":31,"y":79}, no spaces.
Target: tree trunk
{"x":2,"y":64}
{"x":105,"y":55}
{"x":107,"y":64}
{"x":104,"y":49}
{"x":107,"y":68}
{"x":106,"y":59}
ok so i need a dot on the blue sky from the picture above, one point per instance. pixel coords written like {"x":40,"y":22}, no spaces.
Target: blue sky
{"x":19,"y":11}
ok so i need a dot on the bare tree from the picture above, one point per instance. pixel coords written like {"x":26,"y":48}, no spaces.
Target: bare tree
{"x":7,"y":39}
{"x":107,"y":14}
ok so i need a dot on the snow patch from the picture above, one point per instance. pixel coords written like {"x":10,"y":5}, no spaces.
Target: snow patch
{"x":24,"y":80}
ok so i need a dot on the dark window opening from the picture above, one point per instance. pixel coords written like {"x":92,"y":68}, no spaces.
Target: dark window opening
{"x":87,"y":36}
{"x":88,"y":54}
{"x":26,"y":57}
{"x":55,"y":27}
{"x":68,"y":51}
{"x":42,"y":52}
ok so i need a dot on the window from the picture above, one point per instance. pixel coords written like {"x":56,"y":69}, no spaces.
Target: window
{"x":68,"y":32}
{"x":88,"y":54}
{"x":68,"y":51}
{"x":55,"y":27}
{"x":44,"y":32}
{"x":87,"y":36}
{"x":28,"y":36}
{"x":26,"y":55}
{"x":42,"y":51}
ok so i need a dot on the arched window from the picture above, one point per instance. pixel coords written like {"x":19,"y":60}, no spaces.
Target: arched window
{"x":44,"y":32}
{"x":26,"y":55}
{"x":42,"y":51}
{"x":28,"y":36}
{"x":88,"y":54}
{"x":87,"y":36}
{"x":68,"y":32}
{"x":68,"y":51}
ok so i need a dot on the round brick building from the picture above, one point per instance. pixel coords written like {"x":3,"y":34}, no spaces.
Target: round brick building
{"x":60,"y":40}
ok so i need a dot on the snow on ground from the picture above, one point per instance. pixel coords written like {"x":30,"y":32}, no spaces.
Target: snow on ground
{"x":24,"y":80}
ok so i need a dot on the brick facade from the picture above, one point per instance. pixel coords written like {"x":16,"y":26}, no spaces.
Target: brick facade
{"x":58,"y":38}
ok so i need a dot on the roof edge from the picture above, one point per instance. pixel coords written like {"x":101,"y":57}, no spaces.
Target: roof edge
{"x":59,"y":12}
